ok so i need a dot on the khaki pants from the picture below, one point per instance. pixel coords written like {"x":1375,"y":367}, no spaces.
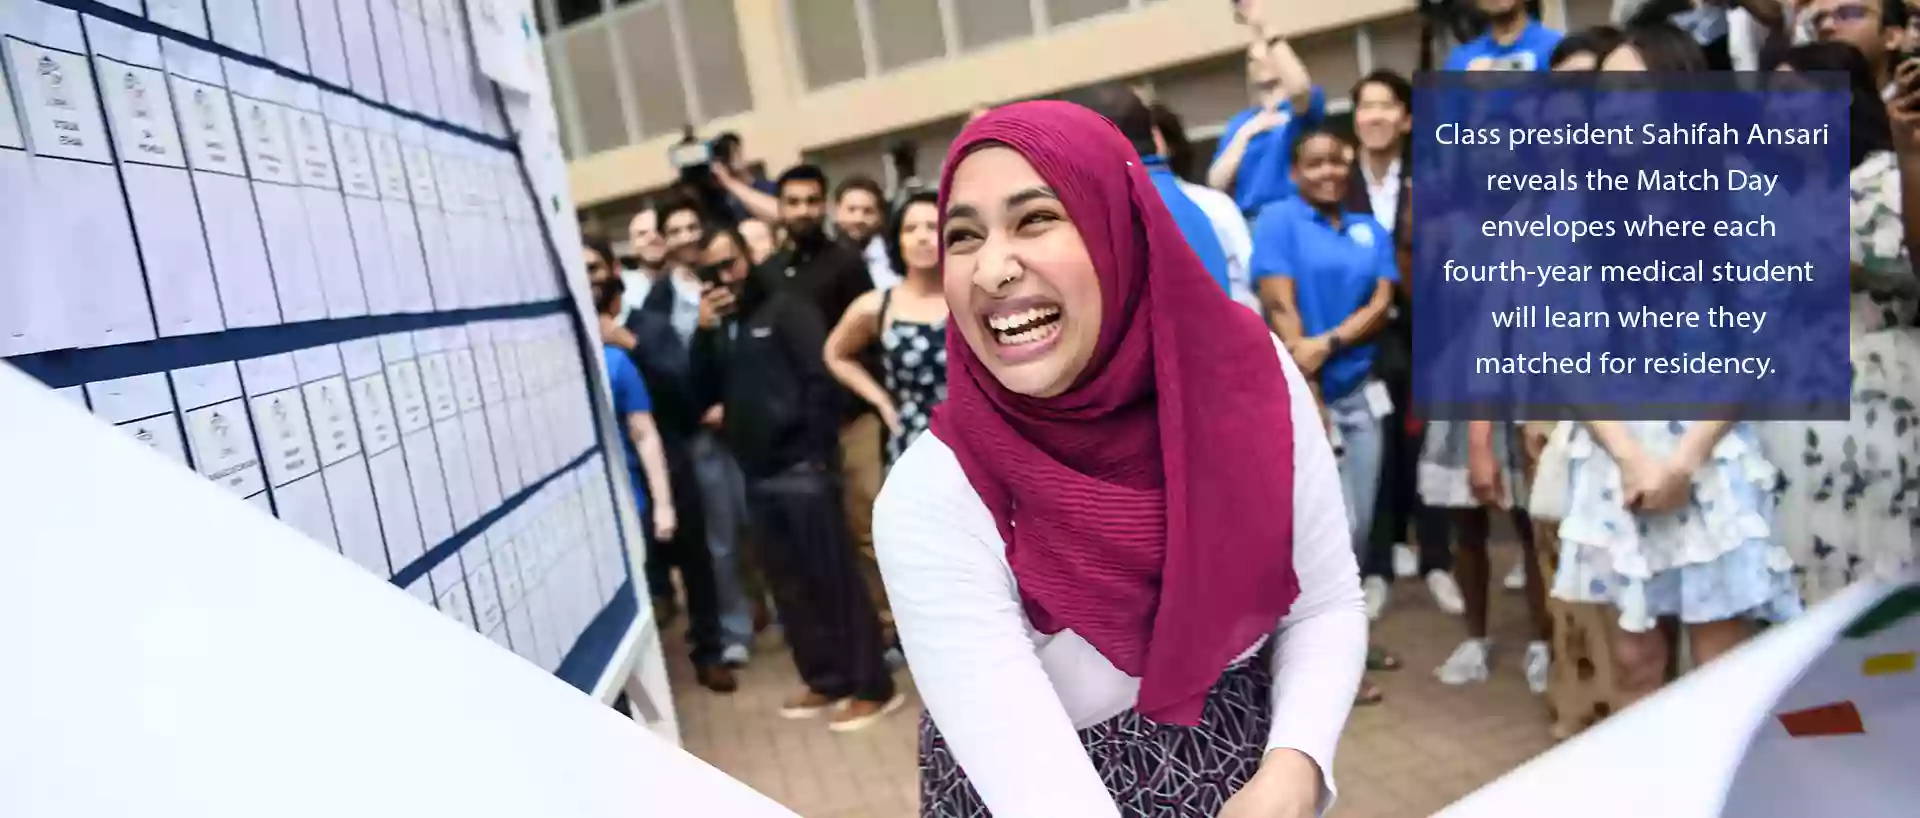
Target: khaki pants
{"x":860,"y":443}
{"x":1580,"y":689}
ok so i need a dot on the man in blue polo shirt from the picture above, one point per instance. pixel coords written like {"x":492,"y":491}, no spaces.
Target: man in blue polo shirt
{"x":1514,"y":41}
{"x":1251,"y":160}
{"x":1124,"y":108}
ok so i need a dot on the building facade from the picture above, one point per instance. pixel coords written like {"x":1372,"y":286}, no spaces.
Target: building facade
{"x":838,"y":82}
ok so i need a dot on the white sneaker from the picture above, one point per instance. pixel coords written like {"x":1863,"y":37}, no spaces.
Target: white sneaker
{"x":1539,"y":661}
{"x":1517,"y":578}
{"x":1467,"y":664}
{"x":1446,"y":592}
{"x":735,"y":656}
{"x":1374,"y":589}
{"x":1406,"y":561}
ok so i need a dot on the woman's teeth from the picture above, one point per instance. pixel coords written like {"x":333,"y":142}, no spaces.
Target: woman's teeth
{"x":1026,"y":326}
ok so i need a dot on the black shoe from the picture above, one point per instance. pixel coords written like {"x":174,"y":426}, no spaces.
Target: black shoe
{"x":716,"y":677}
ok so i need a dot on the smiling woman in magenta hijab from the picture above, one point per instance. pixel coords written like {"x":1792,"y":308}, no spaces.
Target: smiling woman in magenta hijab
{"x":1119,"y":561}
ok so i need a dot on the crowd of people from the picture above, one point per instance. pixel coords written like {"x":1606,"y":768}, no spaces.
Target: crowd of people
{"x":1108,"y":519}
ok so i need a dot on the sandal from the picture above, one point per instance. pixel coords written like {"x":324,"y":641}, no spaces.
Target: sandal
{"x":1368,"y":694}
{"x":1380,"y":659}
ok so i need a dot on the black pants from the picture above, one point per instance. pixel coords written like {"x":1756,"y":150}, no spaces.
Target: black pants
{"x":1398,"y":505}
{"x":687,"y":551}
{"x":825,"y":612}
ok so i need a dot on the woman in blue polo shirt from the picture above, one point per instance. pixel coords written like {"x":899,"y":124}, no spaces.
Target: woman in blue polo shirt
{"x":1326,"y":276}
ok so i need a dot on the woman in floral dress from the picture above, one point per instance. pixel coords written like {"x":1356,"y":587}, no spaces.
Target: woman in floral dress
{"x":1850,"y":490}
{"x":1670,"y":519}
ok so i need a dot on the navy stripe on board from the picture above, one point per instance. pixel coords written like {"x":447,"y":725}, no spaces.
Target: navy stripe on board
{"x":61,"y":368}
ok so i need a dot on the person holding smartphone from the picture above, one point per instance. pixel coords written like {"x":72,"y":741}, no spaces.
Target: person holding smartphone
{"x":757,"y":355}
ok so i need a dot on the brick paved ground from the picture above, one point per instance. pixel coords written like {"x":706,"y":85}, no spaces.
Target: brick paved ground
{"x":1421,"y":749}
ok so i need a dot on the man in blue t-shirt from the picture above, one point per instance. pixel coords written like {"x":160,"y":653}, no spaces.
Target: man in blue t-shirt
{"x":1251,"y":161}
{"x":1124,"y":108}
{"x":1514,"y":41}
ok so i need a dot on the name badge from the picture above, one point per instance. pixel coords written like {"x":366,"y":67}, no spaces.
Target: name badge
{"x":388,"y":168}
{"x":356,"y":161}
{"x":420,"y":175}
{"x":332,"y":414}
{"x":373,"y":408}
{"x":207,"y":129}
{"x":280,"y":419}
{"x":310,"y":145}
{"x":263,"y":134}
{"x":141,"y":113}
{"x":409,"y":396}
{"x":56,"y":97}
{"x":223,"y":447}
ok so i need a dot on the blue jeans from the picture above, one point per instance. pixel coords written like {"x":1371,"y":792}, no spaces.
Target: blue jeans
{"x":723,"y":501}
{"x":1359,"y":463}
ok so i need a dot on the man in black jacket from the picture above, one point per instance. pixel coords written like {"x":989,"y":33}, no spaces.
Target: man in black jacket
{"x":758,"y":352}
{"x":830,"y":275}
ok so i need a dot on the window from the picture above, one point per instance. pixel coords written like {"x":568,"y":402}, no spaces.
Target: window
{"x":1396,"y":44}
{"x":653,"y":69}
{"x":719,"y":70}
{"x":1587,"y":13}
{"x":906,"y":31}
{"x":1062,"y":12}
{"x":827,"y":35}
{"x":1205,"y":93}
{"x":986,"y":22}
{"x":574,"y":11}
{"x":596,"y":88}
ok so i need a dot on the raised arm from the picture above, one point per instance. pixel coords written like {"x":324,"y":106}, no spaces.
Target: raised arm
{"x":758,"y":203}
{"x":1226,"y":163}
{"x":856,"y":330}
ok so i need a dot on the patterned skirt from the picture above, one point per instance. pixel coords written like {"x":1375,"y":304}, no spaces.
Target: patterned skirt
{"x":1442,"y":476}
{"x":1162,"y":770}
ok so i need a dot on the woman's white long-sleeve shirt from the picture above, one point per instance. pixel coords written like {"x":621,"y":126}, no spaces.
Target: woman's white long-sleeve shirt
{"x":1008,"y":699}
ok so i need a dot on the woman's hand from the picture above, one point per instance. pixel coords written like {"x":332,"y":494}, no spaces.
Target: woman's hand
{"x":1286,"y":786}
{"x":1654,"y":485}
{"x":1483,"y":476}
{"x":1672,"y":487}
{"x":889,"y":416}
{"x":665,"y":523}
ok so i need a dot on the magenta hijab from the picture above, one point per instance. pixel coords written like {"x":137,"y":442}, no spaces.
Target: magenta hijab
{"x":1149,"y":508}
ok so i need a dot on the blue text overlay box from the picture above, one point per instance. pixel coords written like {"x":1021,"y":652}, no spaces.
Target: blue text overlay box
{"x":1630,"y":246}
